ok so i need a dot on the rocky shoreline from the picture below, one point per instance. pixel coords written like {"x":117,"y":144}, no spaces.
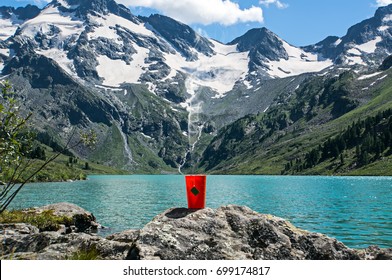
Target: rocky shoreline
{"x":227,"y":233}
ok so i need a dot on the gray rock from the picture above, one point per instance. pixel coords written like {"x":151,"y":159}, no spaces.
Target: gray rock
{"x":227,"y":233}
{"x":83,"y":220}
{"x":235,"y":232}
{"x":64,"y":209}
{"x":128,"y":236}
{"x":22,"y":241}
{"x":375,"y":253}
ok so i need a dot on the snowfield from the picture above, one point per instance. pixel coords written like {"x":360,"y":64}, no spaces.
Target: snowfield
{"x":61,"y":58}
{"x":371,"y":46}
{"x":108,"y":22}
{"x":116,"y":72}
{"x":8,"y":27}
{"x":50,"y":18}
{"x":219,"y":72}
{"x":299,"y":62}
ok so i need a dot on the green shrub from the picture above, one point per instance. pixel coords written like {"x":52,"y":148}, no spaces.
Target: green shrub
{"x":44,"y":221}
{"x":86,"y":253}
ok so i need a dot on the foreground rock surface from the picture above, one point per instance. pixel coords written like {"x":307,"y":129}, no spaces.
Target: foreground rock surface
{"x":229,"y":232}
{"x":235,"y":232}
{"x":76,"y":241}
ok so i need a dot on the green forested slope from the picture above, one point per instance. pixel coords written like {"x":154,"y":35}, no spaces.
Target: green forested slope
{"x":312,"y":131}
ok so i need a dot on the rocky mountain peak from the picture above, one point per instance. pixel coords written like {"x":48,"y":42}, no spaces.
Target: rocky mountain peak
{"x":23,"y":13}
{"x":383,"y":11}
{"x":370,"y":28}
{"x":263,"y":45}
{"x":254,"y":37}
{"x":85,"y":7}
{"x":181,"y":36}
{"x":97,"y":5}
{"x":11,"y":18}
{"x":366,"y":43}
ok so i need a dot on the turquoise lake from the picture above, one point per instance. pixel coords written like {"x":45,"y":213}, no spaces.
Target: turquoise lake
{"x":355,"y":210}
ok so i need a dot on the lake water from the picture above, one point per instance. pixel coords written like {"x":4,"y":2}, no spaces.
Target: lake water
{"x":355,"y":210}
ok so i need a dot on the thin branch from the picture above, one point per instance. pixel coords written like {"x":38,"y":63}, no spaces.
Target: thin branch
{"x":11,"y":183}
{"x":9,"y":199}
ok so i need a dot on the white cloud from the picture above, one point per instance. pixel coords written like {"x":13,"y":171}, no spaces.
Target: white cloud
{"x":278,"y":4}
{"x":383,"y":2}
{"x":204,"y":12}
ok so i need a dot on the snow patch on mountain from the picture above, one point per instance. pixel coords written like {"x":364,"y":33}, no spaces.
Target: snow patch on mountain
{"x":8,"y":26}
{"x":248,"y":84}
{"x":115,"y":71}
{"x":220,"y":72}
{"x":299,"y":62}
{"x":103,"y":30}
{"x":354,"y":54}
{"x":354,"y":60}
{"x":338,"y":41}
{"x":5,"y":52}
{"x":354,"y":51}
{"x":364,"y":77}
{"x":111,"y":21}
{"x":387,"y":18}
{"x":51,"y":18}
{"x":371,"y":46}
{"x":60,"y":57}
{"x":66,"y":5}
{"x":382,"y":78}
{"x":383,"y":28}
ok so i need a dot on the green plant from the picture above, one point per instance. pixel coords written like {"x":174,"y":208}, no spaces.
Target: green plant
{"x":86,"y":253}
{"x":16,"y":143}
{"x":14,"y":140}
{"x":44,"y":221}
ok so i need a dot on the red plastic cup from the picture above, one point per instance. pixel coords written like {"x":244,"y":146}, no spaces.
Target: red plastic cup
{"x":196,"y":191}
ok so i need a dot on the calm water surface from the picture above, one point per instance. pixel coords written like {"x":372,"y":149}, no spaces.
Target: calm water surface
{"x":355,"y":210}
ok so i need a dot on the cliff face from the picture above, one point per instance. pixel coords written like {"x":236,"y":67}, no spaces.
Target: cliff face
{"x":229,"y":232}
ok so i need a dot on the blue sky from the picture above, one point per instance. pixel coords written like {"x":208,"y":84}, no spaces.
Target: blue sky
{"x":299,"y":22}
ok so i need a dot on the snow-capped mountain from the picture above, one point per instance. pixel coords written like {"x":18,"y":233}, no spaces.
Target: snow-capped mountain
{"x":103,"y":43}
{"x":273,"y":57}
{"x":11,"y":19}
{"x":161,"y":86}
{"x":367,"y":43}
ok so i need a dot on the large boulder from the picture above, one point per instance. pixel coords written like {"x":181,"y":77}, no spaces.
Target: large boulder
{"x":233,"y":232}
{"x":82,"y":220}
{"x":23,"y":241}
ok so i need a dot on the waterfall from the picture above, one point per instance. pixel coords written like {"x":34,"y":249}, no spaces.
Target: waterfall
{"x":113,"y":100}
{"x":127,"y":150}
{"x":195,"y":125}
